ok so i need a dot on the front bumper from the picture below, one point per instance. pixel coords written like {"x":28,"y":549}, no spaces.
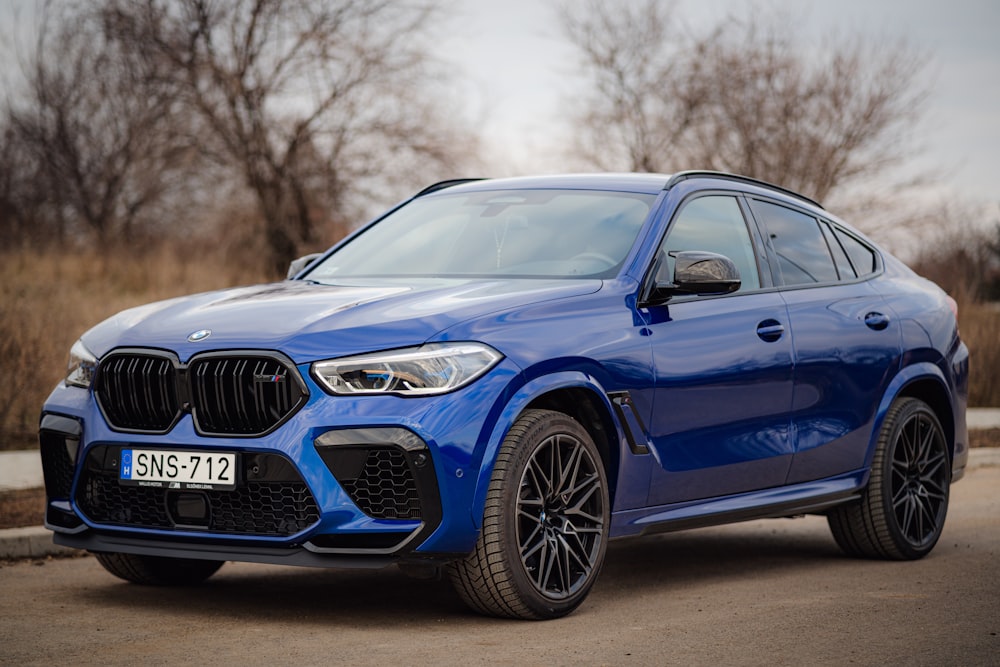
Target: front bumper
{"x":344,"y":480}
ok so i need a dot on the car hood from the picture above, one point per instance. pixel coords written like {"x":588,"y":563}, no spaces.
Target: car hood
{"x":310,"y":321}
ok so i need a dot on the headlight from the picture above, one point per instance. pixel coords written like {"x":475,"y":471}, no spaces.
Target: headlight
{"x":435,"y":368}
{"x":81,"y":367}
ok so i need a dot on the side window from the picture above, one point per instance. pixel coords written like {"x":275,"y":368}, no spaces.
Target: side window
{"x":862,"y":257}
{"x":839,"y":256}
{"x":802,"y":252}
{"x":714,"y":224}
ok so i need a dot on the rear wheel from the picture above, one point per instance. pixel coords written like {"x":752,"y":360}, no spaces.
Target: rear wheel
{"x":158,"y":570}
{"x":545,"y":527}
{"x":902,"y":511}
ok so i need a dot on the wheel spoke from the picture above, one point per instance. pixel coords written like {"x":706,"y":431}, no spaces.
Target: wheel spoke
{"x":930,"y":469}
{"x":569,"y":471}
{"x":544,"y":566}
{"x":907,"y":518}
{"x":926,"y":440}
{"x":565,"y":575}
{"x":534,"y":542}
{"x":542,"y":484}
{"x":534,"y":518}
{"x":900,"y":496}
{"x":576,"y":550}
{"x":906,"y":442}
{"x":553,"y":451}
{"x":935,"y":488}
{"x":586,"y":491}
{"x":926,"y":514}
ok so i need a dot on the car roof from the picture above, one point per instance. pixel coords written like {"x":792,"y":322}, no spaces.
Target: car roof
{"x":648,"y":183}
{"x":644,"y":183}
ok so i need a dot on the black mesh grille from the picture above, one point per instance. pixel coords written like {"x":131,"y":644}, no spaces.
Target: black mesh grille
{"x":385,"y":487}
{"x":241,"y":395}
{"x":238,"y":394}
{"x":138,"y":392}
{"x":57,"y":467}
{"x":278,"y":505}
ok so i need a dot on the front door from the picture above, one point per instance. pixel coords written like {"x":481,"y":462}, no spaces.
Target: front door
{"x":723,"y":371}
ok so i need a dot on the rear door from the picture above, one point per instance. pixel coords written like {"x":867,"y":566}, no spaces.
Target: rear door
{"x":846,"y":340}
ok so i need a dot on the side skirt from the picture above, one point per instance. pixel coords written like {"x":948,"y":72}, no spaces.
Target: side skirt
{"x":805,"y":498}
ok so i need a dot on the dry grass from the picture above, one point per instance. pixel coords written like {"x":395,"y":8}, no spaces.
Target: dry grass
{"x":47,"y":299}
{"x":980,"y":328}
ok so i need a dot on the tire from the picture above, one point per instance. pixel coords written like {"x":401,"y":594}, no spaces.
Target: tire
{"x":158,"y":570}
{"x":545,"y":525}
{"x":902,"y":511}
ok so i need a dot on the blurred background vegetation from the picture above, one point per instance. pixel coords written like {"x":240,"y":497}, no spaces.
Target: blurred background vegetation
{"x":152,"y":148}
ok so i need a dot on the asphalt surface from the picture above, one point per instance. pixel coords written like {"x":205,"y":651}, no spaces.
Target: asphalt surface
{"x":775,"y":592}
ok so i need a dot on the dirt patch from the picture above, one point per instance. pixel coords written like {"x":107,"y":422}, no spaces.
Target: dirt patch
{"x":22,"y":508}
{"x":986,"y":438}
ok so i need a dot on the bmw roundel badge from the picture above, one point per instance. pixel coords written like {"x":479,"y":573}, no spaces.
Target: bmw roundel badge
{"x":202,"y":334}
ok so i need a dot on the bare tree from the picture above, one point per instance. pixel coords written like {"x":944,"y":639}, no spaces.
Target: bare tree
{"x":307,"y":100}
{"x":635,"y":112}
{"x":743,"y":96}
{"x":16,"y":189}
{"x":962,"y":255}
{"x":93,"y":128}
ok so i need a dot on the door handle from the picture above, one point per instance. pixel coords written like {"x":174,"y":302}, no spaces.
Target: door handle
{"x":770,"y":330}
{"x":876,"y":321}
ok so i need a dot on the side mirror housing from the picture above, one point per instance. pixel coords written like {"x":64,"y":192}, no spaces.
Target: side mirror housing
{"x":697,"y":272}
{"x":297,"y":265}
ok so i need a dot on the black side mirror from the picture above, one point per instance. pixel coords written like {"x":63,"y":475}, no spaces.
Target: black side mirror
{"x":297,"y":265}
{"x":697,"y":272}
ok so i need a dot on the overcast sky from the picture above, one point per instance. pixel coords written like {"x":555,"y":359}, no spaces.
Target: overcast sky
{"x":517,"y":74}
{"x":520,"y":75}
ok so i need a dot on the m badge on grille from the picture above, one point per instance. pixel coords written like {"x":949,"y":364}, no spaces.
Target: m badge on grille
{"x":268,"y":379}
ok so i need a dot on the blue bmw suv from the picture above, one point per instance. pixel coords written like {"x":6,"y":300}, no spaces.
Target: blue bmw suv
{"x":497,"y":377}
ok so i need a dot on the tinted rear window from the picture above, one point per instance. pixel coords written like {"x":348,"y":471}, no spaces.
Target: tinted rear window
{"x":802,"y":252}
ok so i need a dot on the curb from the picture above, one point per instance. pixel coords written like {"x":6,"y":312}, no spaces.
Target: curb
{"x":32,"y":542}
{"x":36,"y":541}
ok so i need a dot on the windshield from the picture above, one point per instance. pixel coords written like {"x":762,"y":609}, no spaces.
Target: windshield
{"x":510,"y":233}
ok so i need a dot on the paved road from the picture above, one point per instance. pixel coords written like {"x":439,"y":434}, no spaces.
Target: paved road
{"x":762,"y":593}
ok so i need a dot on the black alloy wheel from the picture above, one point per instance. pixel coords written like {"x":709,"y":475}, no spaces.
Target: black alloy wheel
{"x":902,"y":511}
{"x":545,"y":528}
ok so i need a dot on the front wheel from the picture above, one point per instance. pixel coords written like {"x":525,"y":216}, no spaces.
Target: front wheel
{"x":545,"y":526}
{"x":901,"y":514}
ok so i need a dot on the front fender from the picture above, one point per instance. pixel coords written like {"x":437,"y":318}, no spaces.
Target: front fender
{"x":515,"y":406}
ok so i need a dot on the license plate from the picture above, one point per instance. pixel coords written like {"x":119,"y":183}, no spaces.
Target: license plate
{"x":177,"y":470}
